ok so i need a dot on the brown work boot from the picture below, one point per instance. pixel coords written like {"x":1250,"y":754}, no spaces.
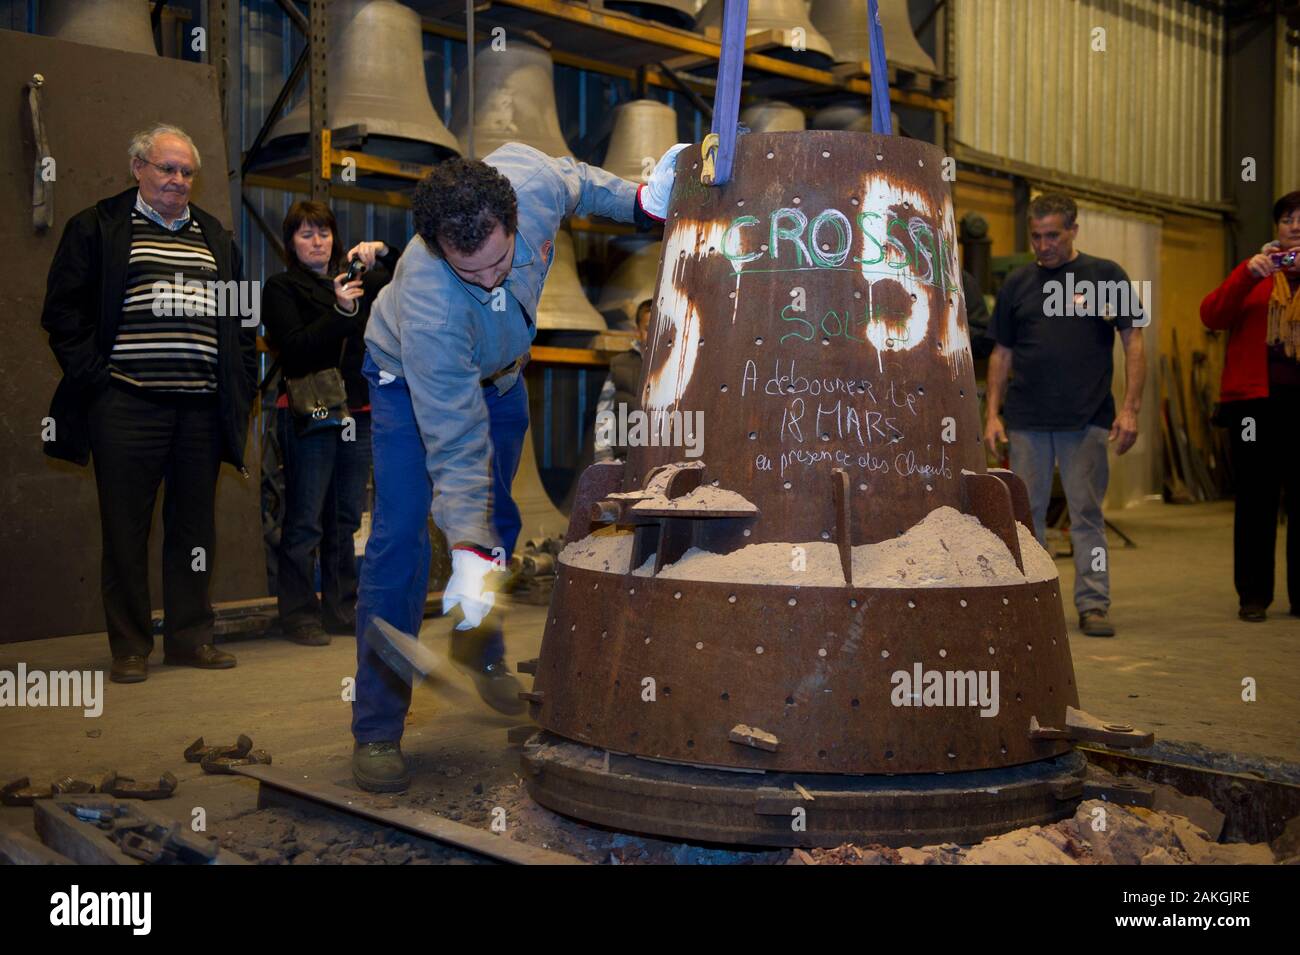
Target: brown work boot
{"x":129,"y":670}
{"x":379,"y":767}
{"x":1094,"y":623}
{"x":206,"y":657}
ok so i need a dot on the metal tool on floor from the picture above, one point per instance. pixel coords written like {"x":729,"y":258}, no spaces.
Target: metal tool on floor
{"x":220,"y":760}
{"x":21,"y":792}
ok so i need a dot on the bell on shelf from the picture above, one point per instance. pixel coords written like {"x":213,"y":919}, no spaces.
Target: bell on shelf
{"x":644,"y":129}
{"x":385,"y":96}
{"x":675,"y":13}
{"x":846,"y":20}
{"x":514,"y":93}
{"x":773,"y":117}
{"x":631,"y":284}
{"x":564,"y":305}
{"x":853,"y":116}
{"x":116,"y":24}
{"x":786,"y":15}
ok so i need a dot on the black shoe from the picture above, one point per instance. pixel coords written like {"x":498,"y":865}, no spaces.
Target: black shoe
{"x":1252,"y":614}
{"x":205,"y":657}
{"x":1094,"y":623}
{"x":340,"y":628}
{"x":309,"y":635}
{"x":129,"y":670}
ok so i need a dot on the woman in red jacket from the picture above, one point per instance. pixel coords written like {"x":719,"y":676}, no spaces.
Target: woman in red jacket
{"x":1259,"y":306}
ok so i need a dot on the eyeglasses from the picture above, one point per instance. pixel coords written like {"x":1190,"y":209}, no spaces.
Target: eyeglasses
{"x":167,"y":169}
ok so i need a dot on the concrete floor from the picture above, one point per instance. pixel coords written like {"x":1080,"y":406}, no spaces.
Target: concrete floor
{"x":1176,"y":667}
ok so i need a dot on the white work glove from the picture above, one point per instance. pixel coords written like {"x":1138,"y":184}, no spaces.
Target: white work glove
{"x":469,"y":587}
{"x":653,"y":196}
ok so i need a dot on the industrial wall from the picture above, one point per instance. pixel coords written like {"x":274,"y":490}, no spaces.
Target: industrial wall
{"x":1149,"y":71}
{"x":1288,"y":119}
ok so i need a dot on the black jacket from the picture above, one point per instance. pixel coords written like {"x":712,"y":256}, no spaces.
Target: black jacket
{"x":83,"y":309}
{"x":308,"y":332}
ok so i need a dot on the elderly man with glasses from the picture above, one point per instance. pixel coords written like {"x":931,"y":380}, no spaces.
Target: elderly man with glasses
{"x":157,"y":385}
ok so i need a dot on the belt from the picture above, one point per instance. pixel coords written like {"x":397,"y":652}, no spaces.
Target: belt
{"x":514,"y":366}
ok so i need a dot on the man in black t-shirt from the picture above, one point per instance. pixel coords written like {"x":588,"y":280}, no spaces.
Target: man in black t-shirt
{"x":1055,"y":323}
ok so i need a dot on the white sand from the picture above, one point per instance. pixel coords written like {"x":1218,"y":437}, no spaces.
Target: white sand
{"x":705,"y":498}
{"x":946,"y":549}
{"x":1039,"y":565}
{"x":775,"y":563}
{"x":604,"y":550}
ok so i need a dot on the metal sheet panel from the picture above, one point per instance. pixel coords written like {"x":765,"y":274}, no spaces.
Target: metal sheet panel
{"x":50,"y":536}
{"x":1143,"y":115}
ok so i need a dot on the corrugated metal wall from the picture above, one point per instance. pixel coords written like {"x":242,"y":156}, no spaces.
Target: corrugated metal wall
{"x":1144,"y":114}
{"x":1288,"y":121}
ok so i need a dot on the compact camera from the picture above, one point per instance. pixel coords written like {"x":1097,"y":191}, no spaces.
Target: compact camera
{"x":355,"y":268}
{"x":1289,"y":260}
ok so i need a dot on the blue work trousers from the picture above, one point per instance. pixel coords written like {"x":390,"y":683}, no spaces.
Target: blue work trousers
{"x":395,"y":572}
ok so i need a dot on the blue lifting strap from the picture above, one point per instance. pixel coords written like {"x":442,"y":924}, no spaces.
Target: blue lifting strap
{"x":720,"y":147}
{"x":881,"y":121}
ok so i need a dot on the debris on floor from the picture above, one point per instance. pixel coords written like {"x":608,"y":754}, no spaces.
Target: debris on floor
{"x":1099,"y":833}
{"x":291,"y":837}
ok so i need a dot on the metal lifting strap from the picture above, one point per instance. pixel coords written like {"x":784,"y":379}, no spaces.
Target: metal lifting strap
{"x":881,"y":120}
{"x":719,"y":149}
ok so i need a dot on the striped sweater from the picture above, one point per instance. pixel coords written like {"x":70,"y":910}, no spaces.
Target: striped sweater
{"x":167,"y":340}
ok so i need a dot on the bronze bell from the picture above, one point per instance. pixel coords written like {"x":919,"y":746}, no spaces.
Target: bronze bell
{"x":386,"y":94}
{"x":514,"y":92}
{"x":854,"y":116}
{"x":675,"y":13}
{"x":773,"y":117}
{"x":644,"y":130}
{"x":537,"y":512}
{"x":631,"y":284}
{"x":116,"y":24}
{"x":564,"y":305}
{"x":264,"y":63}
{"x":771,"y":15}
{"x":846,"y":20}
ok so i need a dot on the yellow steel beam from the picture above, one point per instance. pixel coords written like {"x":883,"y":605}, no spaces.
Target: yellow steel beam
{"x":684,"y":42}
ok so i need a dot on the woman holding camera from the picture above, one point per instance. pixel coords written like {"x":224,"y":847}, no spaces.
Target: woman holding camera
{"x":1258,"y":305}
{"x":315,"y":314}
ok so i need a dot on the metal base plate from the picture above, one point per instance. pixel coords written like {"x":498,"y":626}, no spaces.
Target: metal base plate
{"x":767,"y":809}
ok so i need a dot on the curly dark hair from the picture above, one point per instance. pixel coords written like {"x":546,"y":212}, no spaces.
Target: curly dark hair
{"x":460,"y":202}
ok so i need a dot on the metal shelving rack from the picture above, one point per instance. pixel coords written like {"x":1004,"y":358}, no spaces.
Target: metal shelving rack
{"x":584,"y":36}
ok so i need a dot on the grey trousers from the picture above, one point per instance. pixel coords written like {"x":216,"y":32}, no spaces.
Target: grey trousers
{"x":1085,"y":471}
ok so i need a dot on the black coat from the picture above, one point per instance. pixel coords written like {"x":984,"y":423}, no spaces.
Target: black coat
{"x":83,"y":310}
{"x":308,"y":332}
